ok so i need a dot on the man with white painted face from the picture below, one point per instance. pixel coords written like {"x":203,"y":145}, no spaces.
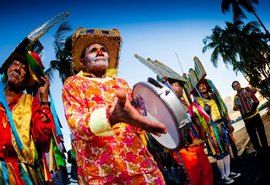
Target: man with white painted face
{"x":106,"y":127}
{"x":96,"y":58}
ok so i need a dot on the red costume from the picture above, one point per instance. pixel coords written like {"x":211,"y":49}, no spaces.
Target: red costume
{"x":26,"y":125}
{"x":40,"y":130}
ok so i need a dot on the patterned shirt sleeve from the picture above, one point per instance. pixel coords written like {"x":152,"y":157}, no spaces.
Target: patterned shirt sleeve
{"x":86,"y":103}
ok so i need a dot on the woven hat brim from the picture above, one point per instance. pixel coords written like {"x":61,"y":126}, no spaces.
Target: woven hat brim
{"x":81,"y":41}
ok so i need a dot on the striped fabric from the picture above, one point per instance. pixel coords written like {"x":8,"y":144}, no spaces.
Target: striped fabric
{"x":245,"y":103}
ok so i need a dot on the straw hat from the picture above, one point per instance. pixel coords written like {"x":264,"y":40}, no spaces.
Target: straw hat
{"x":84,"y":37}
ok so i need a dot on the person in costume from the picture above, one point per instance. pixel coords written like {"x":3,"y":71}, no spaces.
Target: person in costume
{"x":104,"y":124}
{"x":218,"y":139}
{"x":26,"y":119}
{"x":72,"y":160}
{"x":243,"y":102}
{"x":192,"y":157}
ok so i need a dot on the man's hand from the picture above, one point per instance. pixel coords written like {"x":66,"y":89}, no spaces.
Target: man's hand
{"x":123,"y":111}
{"x":44,"y":89}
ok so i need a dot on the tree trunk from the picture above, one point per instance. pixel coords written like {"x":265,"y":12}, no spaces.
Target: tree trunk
{"x":266,"y":31}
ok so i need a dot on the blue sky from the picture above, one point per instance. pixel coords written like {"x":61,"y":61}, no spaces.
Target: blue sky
{"x":151,"y":28}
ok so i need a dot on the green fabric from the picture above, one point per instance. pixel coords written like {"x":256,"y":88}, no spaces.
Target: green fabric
{"x":36,"y":68}
{"x":73,"y":155}
{"x":60,"y":162}
{"x":217,"y":136}
{"x":201,"y":121}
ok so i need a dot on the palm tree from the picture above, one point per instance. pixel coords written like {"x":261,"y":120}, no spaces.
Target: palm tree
{"x":238,"y":5}
{"x":62,"y":47}
{"x":245,"y":49}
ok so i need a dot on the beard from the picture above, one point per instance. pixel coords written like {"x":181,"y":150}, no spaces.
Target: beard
{"x":15,"y":78}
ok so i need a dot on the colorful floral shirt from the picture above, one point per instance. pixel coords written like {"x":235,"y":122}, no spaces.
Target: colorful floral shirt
{"x":102,"y":151}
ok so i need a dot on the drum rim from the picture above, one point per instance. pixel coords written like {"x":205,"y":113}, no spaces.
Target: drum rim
{"x":167,"y":105}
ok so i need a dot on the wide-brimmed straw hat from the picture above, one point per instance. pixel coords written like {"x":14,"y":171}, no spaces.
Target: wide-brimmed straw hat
{"x":84,"y":37}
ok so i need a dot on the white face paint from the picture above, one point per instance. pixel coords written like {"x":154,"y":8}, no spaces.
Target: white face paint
{"x":96,"y":57}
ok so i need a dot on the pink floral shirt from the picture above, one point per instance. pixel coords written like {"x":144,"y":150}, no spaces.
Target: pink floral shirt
{"x":118,"y":155}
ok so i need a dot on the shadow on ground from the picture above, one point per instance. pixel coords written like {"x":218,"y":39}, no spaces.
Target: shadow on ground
{"x":255,"y":170}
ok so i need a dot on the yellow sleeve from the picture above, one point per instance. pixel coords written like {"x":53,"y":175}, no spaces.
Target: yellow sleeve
{"x":100,"y":125}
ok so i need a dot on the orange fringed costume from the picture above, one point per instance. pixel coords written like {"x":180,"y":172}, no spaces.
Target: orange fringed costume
{"x":192,"y":158}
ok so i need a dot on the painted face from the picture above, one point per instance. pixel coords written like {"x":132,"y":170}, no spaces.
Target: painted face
{"x":202,"y":88}
{"x":16,"y":73}
{"x":96,"y":57}
{"x":178,"y":90}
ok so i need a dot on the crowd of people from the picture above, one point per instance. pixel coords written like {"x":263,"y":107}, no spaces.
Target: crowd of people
{"x":107,"y":130}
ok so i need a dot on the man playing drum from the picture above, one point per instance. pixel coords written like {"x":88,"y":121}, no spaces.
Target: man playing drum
{"x":101,"y":117}
{"x":192,"y":157}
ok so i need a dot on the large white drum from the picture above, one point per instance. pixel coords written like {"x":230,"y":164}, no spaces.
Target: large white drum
{"x":159,"y":103}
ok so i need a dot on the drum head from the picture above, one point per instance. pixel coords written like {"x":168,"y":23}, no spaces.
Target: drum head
{"x":162,"y":105}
